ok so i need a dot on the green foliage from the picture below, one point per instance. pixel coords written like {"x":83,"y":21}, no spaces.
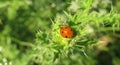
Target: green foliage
{"x":92,"y":24}
{"x":87,"y":25}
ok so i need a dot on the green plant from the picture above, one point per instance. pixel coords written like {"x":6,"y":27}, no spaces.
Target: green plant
{"x":95,"y":40}
{"x":88,"y":27}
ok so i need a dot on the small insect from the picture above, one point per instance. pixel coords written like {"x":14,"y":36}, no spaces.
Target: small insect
{"x":66,"y":32}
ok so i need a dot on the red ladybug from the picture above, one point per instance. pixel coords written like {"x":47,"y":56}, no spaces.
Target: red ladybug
{"x":66,"y":32}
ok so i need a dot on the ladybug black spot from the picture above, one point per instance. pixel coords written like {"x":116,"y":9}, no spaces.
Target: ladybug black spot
{"x":66,"y":37}
{"x":62,"y":31}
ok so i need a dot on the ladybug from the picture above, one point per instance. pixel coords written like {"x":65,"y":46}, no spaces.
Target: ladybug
{"x":66,"y":32}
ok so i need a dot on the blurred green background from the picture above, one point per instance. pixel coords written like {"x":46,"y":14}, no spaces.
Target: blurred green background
{"x":21,"y":19}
